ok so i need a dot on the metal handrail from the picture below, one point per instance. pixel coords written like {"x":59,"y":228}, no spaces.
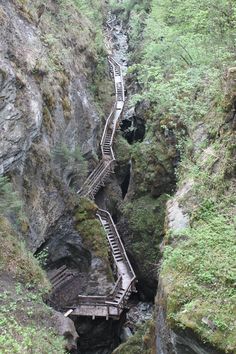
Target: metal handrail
{"x":120,"y":241}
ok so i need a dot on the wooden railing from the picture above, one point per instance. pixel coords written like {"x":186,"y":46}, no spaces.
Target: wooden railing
{"x":114,"y":303}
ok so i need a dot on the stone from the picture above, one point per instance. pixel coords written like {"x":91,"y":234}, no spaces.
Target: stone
{"x":66,"y":328}
{"x":177,"y":220}
{"x":125,"y":334}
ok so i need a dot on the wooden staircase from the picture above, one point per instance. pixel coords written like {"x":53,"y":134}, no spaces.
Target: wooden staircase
{"x":113,"y":304}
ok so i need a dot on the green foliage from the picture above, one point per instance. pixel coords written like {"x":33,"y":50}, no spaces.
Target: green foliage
{"x":16,"y":259}
{"x":142,"y":342}
{"x":180,"y":56}
{"x":152,"y":164}
{"x":122,"y":150}
{"x":146,"y":221}
{"x":200,"y":275}
{"x":42,"y":257}
{"x":9,"y":200}
{"x":180,"y":51}
{"x":72,"y":159}
{"x":90,"y":228}
{"x":25,"y":323}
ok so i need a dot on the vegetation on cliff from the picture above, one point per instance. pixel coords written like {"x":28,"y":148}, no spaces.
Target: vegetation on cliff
{"x":146,"y":222}
{"x":90,"y":228}
{"x":66,"y":46}
{"x":141,"y":342}
{"x":25,"y":320}
{"x":180,"y":53}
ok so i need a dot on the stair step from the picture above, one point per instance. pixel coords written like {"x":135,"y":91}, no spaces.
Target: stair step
{"x":118,"y":256}
{"x":61,"y":280}
{"x":58,"y":271}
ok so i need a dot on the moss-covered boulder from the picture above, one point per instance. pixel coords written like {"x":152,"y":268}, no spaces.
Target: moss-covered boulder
{"x":142,"y":227}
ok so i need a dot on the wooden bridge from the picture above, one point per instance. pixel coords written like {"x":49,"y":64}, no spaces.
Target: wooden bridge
{"x":113,"y":304}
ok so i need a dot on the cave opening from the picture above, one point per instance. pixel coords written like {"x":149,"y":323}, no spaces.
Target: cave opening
{"x":133,"y":129}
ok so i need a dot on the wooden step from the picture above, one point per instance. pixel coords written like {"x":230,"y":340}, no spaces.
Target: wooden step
{"x":57,"y":271}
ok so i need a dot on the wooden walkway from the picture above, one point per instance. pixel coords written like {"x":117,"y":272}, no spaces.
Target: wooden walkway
{"x":110,"y":306}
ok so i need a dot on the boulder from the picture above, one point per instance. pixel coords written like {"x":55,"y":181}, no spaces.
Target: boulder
{"x":66,"y":328}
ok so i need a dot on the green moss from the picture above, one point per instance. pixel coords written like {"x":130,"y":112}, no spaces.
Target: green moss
{"x":90,"y":228}
{"x":200,"y":275}
{"x":48,"y":120}
{"x":16,"y":259}
{"x":122,"y":150}
{"x":152,"y":165}
{"x":199,"y":267}
{"x":142,"y":342}
{"x":146,"y":217}
{"x":66,"y":105}
{"x":25,"y":321}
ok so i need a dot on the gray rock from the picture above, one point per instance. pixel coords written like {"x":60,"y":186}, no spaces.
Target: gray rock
{"x":177,"y":218}
{"x":139,"y":314}
{"x":66,"y":328}
{"x":125,"y":334}
{"x":29,"y":87}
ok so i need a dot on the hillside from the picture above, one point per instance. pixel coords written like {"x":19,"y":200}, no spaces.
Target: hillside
{"x":152,"y":188}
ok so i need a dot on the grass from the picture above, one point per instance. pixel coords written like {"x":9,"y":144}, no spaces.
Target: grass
{"x":200,"y":277}
{"x":25,"y":321}
{"x":17,"y":260}
{"x":199,"y":264}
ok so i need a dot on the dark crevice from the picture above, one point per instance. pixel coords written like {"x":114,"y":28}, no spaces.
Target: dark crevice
{"x":133,"y":129}
{"x":125,"y":184}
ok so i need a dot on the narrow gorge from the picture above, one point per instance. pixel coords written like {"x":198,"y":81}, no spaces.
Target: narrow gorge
{"x":117,"y":177}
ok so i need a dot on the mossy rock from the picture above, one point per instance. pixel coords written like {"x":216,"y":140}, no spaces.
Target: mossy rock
{"x":122,"y":150}
{"x":199,"y":279}
{"x":90,"y":229}
{"x":17,"y":260}
{"x":142,"y":342}
{"x":145,"y":217}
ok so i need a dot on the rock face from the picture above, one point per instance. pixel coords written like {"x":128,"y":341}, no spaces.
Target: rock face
{"x":230,"y":98}
{"x":169,"y":342}
{"x":177,"y":218}
{"x":180,"y":210}
{"x":98,"y":336}
{"x":44,"y":104}
{"x":47,"y":72}
{"x":21,"y":101}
